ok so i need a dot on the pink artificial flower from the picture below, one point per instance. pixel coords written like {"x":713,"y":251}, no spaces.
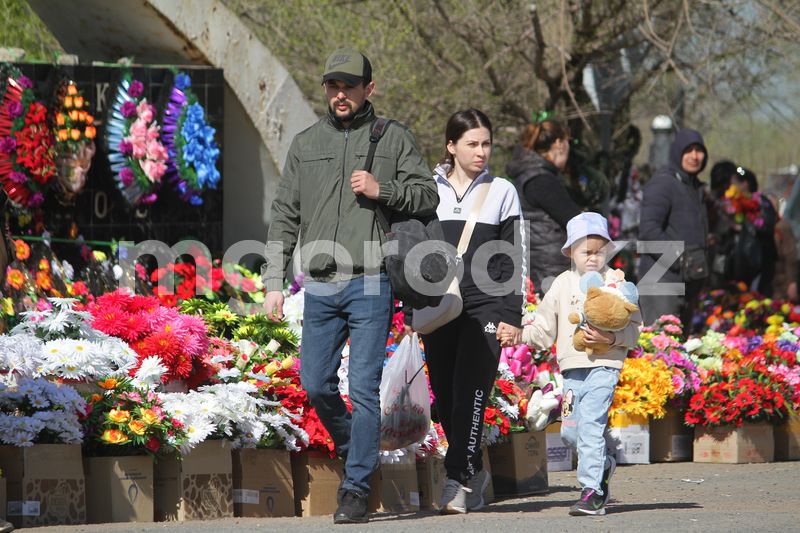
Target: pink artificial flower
{"x":138,"y":130}
{"x":660,"y":341}
{"x":42,"y":304}
{"x":156,"y":151}
{"x":136,"y":88}
{"x":145,"y":111}
{"x":152,"y":132}
{"x":153,"y":170}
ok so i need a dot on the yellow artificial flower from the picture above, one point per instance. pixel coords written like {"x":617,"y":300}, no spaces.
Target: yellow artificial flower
{"x":119,"y":416}
{"x":114,"y":436}
{"x":149,"y":417}
{"x":137,"y":427}
{"x":108,"y":384}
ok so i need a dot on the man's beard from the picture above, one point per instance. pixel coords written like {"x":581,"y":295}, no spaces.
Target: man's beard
{"x":351,"y":114}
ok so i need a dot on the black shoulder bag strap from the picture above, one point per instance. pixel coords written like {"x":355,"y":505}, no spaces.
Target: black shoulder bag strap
{"x":375,"y":134}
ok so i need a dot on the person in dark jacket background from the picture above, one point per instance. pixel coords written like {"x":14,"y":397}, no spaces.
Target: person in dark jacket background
{"x":673,"y":209}
{"x":546,"y":204}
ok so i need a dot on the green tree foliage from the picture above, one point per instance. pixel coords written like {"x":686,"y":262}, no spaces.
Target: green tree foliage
{"x":21,"y":28}
{"x":512,"y":58}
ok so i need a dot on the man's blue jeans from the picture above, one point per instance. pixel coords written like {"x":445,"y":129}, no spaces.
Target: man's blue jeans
{"x":360,"y":309}
{"x":584,"y":415}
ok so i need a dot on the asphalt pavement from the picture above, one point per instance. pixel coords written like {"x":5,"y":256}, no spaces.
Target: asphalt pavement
{"x":660,"y":497}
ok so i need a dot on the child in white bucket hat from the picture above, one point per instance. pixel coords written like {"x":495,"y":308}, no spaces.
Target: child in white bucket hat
{"x":589,"y":381}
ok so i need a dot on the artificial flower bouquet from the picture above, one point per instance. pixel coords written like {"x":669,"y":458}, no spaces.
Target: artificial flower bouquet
{"x":129,"y":420}
{"x":737,"y":397}
{"x":661,"y":341}
{"x":506,"y":408}
{"x":743,"y":206}
{"x":60,"y":343}
{"x":235,"y":412}
{"x":643,"y":389}
{"x":223,"y":322}
{"x":38,"y":411}
{"x":194,"y":279}
{"x":74,"y":133}
{"x":178,"y":340}
{"x":135,"y":150}
{"x":765,"y":315}
{"x":283,"y":386}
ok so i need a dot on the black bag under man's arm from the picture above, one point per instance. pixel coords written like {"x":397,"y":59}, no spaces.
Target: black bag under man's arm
{"x":408,"y":234}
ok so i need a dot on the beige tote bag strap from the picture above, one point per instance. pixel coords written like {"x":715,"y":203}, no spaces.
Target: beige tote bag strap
{"x":472,"y":219}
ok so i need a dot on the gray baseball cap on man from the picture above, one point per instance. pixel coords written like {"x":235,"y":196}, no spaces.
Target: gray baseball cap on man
{"x":348,"y":65}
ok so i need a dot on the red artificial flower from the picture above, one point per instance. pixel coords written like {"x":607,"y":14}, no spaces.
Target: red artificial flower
{"x":110,"y":319}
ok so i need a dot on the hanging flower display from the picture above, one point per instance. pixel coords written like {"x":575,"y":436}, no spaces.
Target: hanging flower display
{"x":137,"y":156}
{"x":26,"y":144}
{"x":74,"y":133}
{"x":193,"y":153}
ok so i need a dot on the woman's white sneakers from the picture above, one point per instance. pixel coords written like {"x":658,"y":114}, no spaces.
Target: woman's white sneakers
{"x":454,"y":498}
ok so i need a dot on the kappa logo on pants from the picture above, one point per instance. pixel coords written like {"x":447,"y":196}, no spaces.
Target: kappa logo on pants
{"x":567,"y":404}
{"x":490,"y":328}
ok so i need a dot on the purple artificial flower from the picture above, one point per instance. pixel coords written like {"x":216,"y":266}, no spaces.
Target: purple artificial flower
{"x":754,"y":343}
{"x":126,"y":176}
{"x":125,"y":147}
{"x":149,"y":198}
{"x":136,"y":89}
{"x":18,"y":177}
{"x":14,"y":109}
{"x":36,"y":199}
{"x":25,"y":82}
{"x":8,"y":144}
{"x":787,"y":345}
{"x":297,"y":284}
{"x":128,"y":109}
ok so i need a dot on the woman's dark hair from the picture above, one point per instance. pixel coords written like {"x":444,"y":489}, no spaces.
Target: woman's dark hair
{"x":747,"y":175}
{"x":463,"y":121}
{"x":539,"y":137}
{"x":721,"y":174}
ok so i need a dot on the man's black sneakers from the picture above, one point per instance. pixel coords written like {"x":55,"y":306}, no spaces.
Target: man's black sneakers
{"x":607,"y":473}
{"x":352,"y":509}
{"x":590,"y":503}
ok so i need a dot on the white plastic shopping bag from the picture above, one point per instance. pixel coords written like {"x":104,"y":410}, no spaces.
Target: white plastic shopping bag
{"x":405,"y":402}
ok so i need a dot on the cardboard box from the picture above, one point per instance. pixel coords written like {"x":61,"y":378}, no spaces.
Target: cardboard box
{"x":316,"y":478}
{"x":45,"y":485}
{"x":670,"y":439}
{"x":628,"y":439}
{"x":559,"y":455}
{"x":262,"y":483}
{"x":196,"y":486}
{"x":752,"y":443}
{"x":119,"y":489}
{"x":519,"y":466}
{"x":395,"y":488}
{"x":787,"y":439}
{"x":431,"y":476}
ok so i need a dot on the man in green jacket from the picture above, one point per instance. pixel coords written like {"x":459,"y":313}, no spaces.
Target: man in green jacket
{"x":325,"y":201}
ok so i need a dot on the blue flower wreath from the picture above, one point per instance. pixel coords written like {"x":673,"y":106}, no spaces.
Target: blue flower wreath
{"x":193,"y":152}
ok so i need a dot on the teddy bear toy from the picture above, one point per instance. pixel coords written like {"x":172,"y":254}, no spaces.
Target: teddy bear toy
{"x":609,"y":304}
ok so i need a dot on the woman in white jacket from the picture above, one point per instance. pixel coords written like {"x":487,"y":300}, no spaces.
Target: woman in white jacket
{"x":463,"y":355}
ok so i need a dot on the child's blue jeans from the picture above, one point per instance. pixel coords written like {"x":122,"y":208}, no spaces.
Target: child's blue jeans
{"x":584,"y":416}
